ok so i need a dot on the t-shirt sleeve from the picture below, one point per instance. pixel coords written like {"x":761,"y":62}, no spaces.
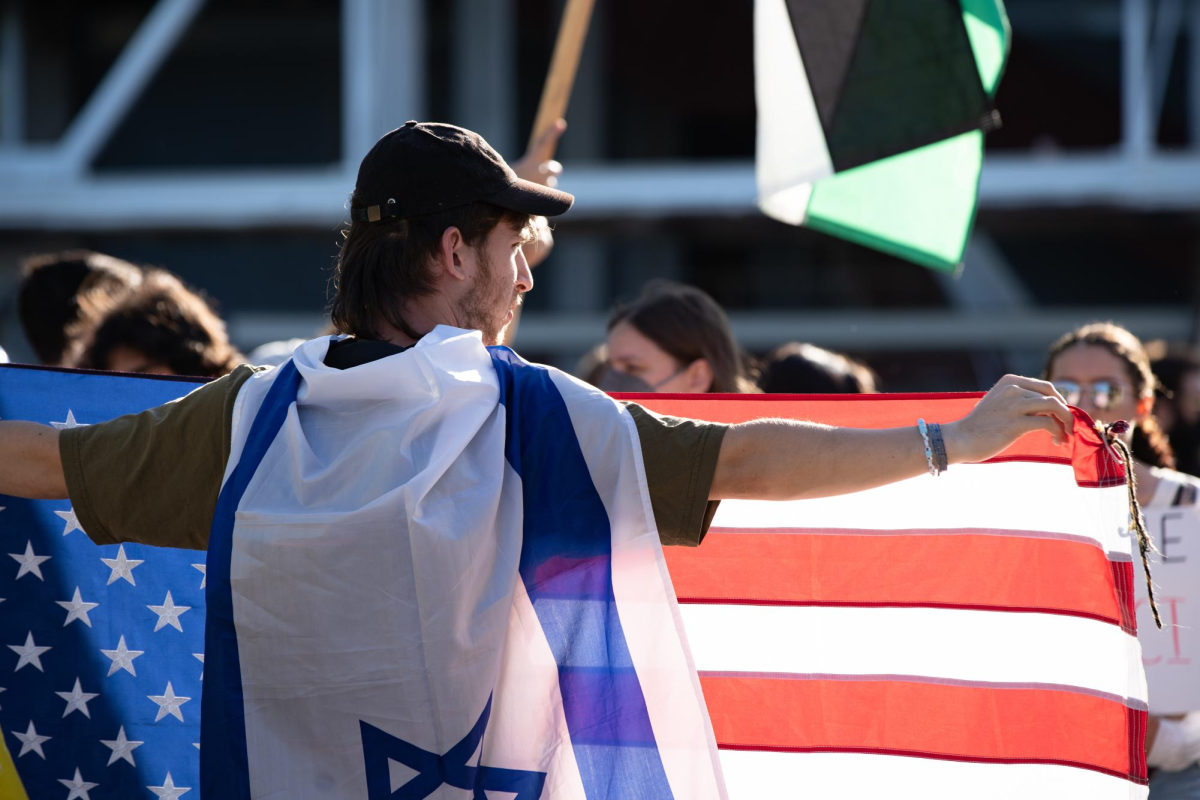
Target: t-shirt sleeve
{"x":681,"y":458}
{"x":154,"y":477}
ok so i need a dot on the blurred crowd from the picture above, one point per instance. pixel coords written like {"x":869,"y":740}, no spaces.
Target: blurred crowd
{"x":93,"y":311}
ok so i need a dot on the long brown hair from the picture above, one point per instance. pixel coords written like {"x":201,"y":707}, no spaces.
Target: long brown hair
{"x":688,"y":325}
{"x":1150,"y":443}
{"x":384,"y":265}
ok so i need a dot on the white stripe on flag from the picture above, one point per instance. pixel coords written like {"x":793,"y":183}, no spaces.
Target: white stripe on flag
{"x":809,"y":775}
{"x":970,"y":646}
{"x":791,"y":150}
{"x":1009,"y":496}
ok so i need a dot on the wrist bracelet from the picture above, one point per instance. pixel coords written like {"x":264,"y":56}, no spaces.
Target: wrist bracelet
{"x":928,"y":447}
{"x":940,"y":461}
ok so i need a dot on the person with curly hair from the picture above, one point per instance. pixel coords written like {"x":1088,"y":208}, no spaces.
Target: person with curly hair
{"x":160,"y":327}
{"x":57,"y":292}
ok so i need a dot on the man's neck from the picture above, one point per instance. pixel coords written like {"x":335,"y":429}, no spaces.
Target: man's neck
{"x":422,"y":317}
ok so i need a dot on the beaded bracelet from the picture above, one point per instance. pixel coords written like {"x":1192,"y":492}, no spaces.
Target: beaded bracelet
{"x":928,"y":447}
{"x":940,"y":462}
{"x":935,"y":447}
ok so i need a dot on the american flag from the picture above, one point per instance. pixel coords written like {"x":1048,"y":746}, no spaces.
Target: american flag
{"x":970,"y":635}
{"x":965,"y":636}
{"x":101,"y":648}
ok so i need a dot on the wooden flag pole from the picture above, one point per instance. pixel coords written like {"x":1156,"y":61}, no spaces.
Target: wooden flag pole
{"x":556,"y":93}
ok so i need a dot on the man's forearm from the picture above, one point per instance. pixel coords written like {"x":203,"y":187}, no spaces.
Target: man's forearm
{"x":774,"y":459}
{"x":785,"y":460}
{"x":30,"y":465}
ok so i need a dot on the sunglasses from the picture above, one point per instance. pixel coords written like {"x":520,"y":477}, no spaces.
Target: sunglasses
{"x":1104,"y":394}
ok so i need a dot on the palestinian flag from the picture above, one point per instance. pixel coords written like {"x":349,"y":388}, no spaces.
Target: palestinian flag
{"x":871,"y":116}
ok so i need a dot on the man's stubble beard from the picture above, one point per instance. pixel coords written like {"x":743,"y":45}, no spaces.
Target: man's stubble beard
{"x":487,"y":302}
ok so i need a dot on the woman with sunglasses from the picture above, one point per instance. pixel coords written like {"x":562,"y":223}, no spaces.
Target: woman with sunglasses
{"x":1103,"y":369}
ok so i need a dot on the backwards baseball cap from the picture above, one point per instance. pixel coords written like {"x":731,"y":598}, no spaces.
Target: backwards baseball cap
{"x":427,"y":167}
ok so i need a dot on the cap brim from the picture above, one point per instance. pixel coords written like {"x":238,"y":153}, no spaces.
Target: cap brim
{"x":528,"y":197}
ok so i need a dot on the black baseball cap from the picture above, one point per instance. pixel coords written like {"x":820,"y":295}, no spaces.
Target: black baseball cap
{"x":427,"y":167}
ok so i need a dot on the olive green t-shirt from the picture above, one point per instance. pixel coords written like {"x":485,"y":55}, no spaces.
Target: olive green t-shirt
{"x":154,"y":477}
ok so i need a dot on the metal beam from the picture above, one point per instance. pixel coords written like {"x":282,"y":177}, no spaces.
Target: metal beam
{"x":383,"y":71}
{"x":120,"y":88}
{"x":483,"y":70}
{"x":12,"y":76}
{"x":316,"y":197}
{"x":1137,"y":127}
{"x":1193,"y":82}
{"x":1168,"y":23}
{"x":865,"y":329}
{"x":850,"y":329}
{"x":359,"y":78}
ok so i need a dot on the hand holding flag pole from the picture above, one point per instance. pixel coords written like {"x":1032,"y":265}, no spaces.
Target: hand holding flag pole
{"x":556,"y":92}
{"x":538,"y":163}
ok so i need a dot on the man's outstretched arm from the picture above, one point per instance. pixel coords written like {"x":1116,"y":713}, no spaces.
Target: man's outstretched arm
{"x":30,"y":465}
{"x":776,"y":459}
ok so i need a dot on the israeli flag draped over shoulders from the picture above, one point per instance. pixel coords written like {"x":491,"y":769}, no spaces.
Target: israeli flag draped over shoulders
{"x":438,"y":575}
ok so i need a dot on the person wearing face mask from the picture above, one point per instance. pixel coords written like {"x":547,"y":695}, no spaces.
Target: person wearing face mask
{"x":673,"y":338}
{"x":1103,"y":369}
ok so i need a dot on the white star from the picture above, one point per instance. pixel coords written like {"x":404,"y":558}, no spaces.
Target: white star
{"x":199,"y":656}
{"x":29,"y":562}
{"x":71,"y":520}
{"x":2,"y":689}
{"x":121,"y":747}
{"x":168,"y":614}
{"x":29,"y":653}
{"x":122,"y":658}
{"x":77,"y":700}
{"x":121,"y":566}
{"x":79,"y":787}
{"x":70,"y":422}
{"x":169,"y":703}
{"x":168,"y":791}
{"x":201,"y":567}
{"x":77,"y":609}
{"x":31,"y":741}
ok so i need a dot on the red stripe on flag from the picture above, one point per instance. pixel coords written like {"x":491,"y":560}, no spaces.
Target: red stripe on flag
{"x":1009,"y":573}
{"x":1093,"y":462}
{"x":1122,"y":575}
{"x":930,"y":720}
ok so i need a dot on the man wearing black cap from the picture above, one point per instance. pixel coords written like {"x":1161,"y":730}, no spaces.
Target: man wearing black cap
{"x":373,"y":459}
{"x":432,"y":195}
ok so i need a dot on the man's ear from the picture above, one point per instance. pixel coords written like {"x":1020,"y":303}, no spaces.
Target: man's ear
{"x":450,"y":253}
{"x":698,"y":377}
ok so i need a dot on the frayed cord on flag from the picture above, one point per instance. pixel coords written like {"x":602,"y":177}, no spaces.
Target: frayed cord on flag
{"x":1112,"y":435}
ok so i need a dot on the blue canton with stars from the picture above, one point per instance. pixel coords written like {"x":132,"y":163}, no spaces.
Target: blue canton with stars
{"x":101,"y":648}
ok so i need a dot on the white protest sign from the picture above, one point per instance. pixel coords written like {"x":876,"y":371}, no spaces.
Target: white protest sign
{"x":1172,"y":655}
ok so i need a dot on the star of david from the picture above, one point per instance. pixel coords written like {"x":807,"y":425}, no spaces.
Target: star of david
{"x":433,"y":770}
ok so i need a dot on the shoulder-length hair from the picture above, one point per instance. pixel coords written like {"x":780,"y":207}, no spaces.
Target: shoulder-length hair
{"x":688,"y":325}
